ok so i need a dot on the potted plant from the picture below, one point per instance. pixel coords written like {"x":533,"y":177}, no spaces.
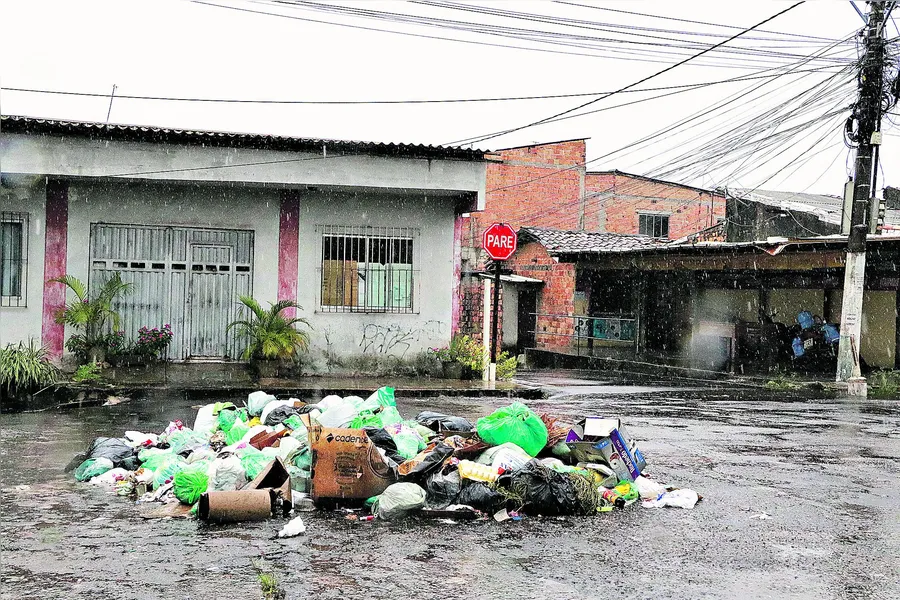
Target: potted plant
{"x":90,"y":314}
{"x":25,"y":369}
{"x":273,"y":339}
{"x":462,"y":359}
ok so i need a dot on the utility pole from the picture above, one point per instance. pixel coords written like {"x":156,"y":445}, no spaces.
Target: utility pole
{"x":867,"y":114}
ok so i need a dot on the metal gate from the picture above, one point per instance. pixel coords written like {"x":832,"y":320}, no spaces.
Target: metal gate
{"x":187,"y":277}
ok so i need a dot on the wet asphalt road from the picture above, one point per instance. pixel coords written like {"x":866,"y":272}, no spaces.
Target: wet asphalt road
{"x":826,"y":471}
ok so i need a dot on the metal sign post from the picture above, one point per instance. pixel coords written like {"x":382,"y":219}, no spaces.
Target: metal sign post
{"x":500,"y":242}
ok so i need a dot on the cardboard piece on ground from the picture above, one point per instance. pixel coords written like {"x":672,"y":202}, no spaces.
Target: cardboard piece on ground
{"x":274,"y":476}
{"x":264,"y":439}
{"x":155,"y":510}
{"x":595,"y":439}
{"x":346,"y":465}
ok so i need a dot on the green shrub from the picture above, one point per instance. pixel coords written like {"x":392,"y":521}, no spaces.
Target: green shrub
{"x":884,"y":384}
{"x":90,"y":314}
{"x":270,"y":335}
{"x":87,"y":373}
{"x":25,"y":369}
{"x":506,"y":366}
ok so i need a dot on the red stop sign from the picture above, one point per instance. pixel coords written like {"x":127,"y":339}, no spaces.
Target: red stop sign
{"x":499,"y":241}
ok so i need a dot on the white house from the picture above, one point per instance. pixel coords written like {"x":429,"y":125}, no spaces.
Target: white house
{"x":365,"y":236}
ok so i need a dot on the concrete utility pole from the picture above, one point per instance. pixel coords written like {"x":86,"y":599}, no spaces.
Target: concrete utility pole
{"x":867,"y":114}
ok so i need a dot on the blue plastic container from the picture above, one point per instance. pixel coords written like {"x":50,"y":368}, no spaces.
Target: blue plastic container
{"x":805,"y":319}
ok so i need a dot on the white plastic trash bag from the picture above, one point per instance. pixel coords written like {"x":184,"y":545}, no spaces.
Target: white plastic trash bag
{"x":678,"y":498}
{"x":338,"y":415}
{"x":398,"y":500}
{"x":257,"y":401}
{"x":206,"y":422}
{"x":329,"y":401}
{"x":649,"y":489}
{"x":226,"y":474}
{"x":509,"y":456}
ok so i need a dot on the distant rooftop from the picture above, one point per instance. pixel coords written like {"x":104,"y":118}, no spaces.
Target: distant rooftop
{"x":827,"y":208}
{"x":558,"y":241}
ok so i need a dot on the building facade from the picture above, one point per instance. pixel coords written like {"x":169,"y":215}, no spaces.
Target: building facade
{"x":365,"y":237}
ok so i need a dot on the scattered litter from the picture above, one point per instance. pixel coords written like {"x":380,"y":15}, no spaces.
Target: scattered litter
{"x":294,"y":527}
{"x":761,"y":516}
{"x":274,"y":457}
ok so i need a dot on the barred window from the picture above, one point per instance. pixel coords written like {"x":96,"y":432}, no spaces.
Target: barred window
{"x":367,"y":269}
{"x":13,"y":258}
{"x":654,"y":225}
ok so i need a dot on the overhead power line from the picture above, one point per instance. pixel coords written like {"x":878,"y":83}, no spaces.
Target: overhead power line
{"x":629,"y":86}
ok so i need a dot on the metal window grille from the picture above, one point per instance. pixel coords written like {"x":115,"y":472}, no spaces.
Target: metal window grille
{"x":654,"y":225}
{"x":13,"y":258}
{"x":368,"y":269}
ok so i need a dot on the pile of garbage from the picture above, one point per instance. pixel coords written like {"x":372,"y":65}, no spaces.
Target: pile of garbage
{"x":272,"y":457}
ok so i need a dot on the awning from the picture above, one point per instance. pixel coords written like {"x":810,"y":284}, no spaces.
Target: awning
{"x":512,"y":278}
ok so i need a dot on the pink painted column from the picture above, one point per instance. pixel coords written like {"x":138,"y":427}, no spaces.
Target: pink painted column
{"x":56,"y":232}
{"x":456,"y":306}
{"x":288,"y":247}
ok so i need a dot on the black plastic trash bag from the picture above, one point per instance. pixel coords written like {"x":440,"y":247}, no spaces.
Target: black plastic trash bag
{"x":442,"y":490}
{"x":440,"y":422}
{"x":481,"y":497}
{"x":277,"y":415}
{"x":544,"y":491}
{"x":383,"y":440}
{"x":115,"y":449}
{"x":431,"y":463}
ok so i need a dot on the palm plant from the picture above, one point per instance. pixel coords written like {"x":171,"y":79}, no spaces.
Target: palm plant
{"x":25,"y":368}
{"x":90,"y":314}
{"x":270,"y":334}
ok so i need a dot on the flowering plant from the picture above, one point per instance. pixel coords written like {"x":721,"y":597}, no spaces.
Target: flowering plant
{"x":153,"y":342}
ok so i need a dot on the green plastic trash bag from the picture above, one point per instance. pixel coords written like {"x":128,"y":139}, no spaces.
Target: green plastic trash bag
{"x":218,"y":407}
{"x":398,"y":500}
{"x":227,"y":419}
{"x":366,"y":418}
{"x":190,"y":483}
{"x":408,"y":442}
{"x":167,"y":471}
{"x":303,"y":459}
{"x":236,"y":433}
{"x":380,"y":398}
{"x":254,"y":463}
{"x":151,"y":458}
{"x":390,"y":416}
{"x":93,"y":467}
{"x":515,"y":423}
{"x":295,"y":424}
{"x":185,"y":441}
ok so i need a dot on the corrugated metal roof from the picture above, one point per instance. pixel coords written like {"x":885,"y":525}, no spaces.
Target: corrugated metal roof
{"x":35,"y":125}
{"x":558,"y":241}
{"x":828,"y":209}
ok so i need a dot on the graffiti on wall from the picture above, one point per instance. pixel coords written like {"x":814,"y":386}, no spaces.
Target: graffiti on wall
{"x":396,"y":339}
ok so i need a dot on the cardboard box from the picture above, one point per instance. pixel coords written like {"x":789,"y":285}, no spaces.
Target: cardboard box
{"x":605,"y":440}
{"x":275,"y":476}
{"x":346,"y":465}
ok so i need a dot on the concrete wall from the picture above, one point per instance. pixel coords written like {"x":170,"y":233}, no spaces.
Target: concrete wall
{"x":785,"y":305}
{"x":399,"y":335}
{"x":879,"y":326}
{"x":78,"y":157}
{"x":26,"y":194}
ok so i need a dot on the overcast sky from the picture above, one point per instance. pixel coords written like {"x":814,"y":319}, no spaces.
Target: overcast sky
{"x":187,"y":49}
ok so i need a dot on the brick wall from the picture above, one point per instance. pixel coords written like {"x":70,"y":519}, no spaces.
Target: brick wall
{"x":617,"y":199}
{"x":556,"y":297}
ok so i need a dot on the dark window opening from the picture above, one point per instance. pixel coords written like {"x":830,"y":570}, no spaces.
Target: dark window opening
{"x":656,"y":226}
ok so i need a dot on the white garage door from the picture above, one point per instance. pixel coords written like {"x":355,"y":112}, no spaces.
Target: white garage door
{"x":187,"y":277}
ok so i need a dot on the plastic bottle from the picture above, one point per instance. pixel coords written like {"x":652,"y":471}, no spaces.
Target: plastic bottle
{"x":613,"y":498}
{"x":472,"y":470}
